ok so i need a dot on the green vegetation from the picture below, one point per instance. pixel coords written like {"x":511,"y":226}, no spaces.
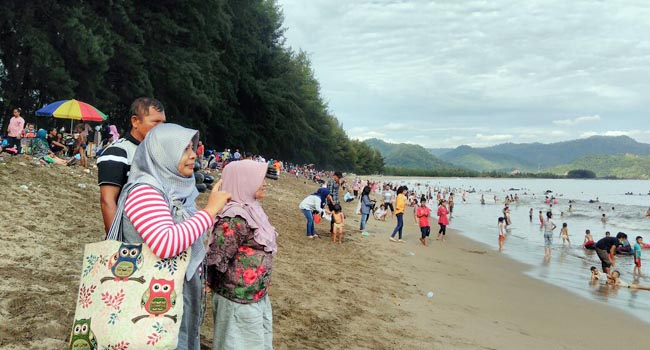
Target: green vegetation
{"x":627,"y":166}
{"x":483,"y":160}
{"x":408,"y":156}
{"x":456,"y":172}
{"x":220,"y":66}
{"x":580,"y":174}
{"x":534,"y":156}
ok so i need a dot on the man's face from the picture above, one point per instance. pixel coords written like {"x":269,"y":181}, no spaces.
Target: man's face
{"x":337,"y":179}
{"x":141,"y":126}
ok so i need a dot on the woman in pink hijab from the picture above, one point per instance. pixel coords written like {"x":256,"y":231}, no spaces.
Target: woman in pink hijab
{"x":240,"y":261}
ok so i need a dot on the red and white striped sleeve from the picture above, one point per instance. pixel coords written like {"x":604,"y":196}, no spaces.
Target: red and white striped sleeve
{"x":152,"y":219}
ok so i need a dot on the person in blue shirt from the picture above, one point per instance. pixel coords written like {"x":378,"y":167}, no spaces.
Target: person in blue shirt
{"x":637,"y":255}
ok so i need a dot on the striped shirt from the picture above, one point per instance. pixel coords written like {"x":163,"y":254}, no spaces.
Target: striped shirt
{"x":150,"y":214}
{"x":115,"y":162}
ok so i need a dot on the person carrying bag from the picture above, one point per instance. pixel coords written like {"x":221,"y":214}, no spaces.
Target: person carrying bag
{"x":141,"y":288}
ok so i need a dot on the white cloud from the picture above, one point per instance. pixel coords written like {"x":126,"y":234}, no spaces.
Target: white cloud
{"x":578,"y":120}
{"x":494,"y":138}
{"x":477,"y":64}
{"x":630,"y":133}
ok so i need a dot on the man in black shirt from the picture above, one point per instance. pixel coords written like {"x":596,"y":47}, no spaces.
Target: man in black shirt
{"x":55,"y":142}
{"x":115,"y":162}
{"x":606,"y":250}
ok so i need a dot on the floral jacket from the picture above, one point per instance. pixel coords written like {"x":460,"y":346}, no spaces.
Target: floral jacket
{"x":238,"y":267}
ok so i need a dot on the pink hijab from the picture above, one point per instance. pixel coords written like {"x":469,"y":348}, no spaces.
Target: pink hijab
{"x":242,"y":179}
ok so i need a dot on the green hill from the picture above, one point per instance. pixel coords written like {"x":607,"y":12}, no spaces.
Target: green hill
{"x":480,"y":159}
{"x":536,"y":156}
{"x":408,"y":156}
{"x":625,"y":166}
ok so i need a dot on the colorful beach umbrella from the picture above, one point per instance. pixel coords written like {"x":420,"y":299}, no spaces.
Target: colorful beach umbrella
{"x":72,"y":109}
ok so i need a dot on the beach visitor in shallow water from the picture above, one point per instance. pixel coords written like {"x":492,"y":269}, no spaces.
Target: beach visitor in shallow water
{"x":549,"y":226}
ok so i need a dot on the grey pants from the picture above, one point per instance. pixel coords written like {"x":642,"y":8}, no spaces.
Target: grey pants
{"x":242,"y":326}
{"x":188,"y":337}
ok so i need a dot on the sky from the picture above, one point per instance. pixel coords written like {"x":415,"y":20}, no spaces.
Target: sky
{"x":476,"y":72}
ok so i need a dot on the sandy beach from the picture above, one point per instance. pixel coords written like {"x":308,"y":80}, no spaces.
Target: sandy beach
{"x":367,"y":293}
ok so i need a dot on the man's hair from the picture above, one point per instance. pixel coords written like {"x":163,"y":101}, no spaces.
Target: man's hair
{"x":587,"y":231}
{"x":621,"y":235}
{"x":338,"y":174}
{"x":638,"y":238}
{"x":140,"y":107}
{"x":593,"y":268}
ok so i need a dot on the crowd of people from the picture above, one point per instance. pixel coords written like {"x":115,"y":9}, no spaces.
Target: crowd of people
{"x":393,"y":200}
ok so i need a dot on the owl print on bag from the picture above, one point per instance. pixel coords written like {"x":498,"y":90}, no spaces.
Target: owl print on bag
{"x":82,"y":337}
{"x":125,"y":263}
{"x":158,"y":299}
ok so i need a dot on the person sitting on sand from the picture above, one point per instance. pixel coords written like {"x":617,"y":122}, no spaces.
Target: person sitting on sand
{"x":339,"y":222}
{"x":41,"y":150}
{"x":615,"y":280}
{"x":381,"y":213}
{"x":589,"y":240}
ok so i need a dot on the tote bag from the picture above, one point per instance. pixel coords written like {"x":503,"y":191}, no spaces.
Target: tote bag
{"x":128,"y":298}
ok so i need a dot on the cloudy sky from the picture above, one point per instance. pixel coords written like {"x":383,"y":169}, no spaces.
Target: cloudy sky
{"x":446,"y":73}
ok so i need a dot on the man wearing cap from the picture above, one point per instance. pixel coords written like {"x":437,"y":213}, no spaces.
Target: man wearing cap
{"x":333,"y":197}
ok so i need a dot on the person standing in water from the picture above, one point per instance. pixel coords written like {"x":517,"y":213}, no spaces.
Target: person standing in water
{"x":502,"y":232}
{"x":549,"y":226}
{"x":603,"y":219}
{"x":530,"y":214}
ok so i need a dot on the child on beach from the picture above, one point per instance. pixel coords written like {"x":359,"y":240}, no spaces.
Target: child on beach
{"x":589,"y":240}
{"x":422,"y":217}
{"x":502,"y":232}
{"x":541,"y":218}
{"x":339,"y":222}
{"x":564,"y":233}
{"x":597,"y":276}
{"x":443,"y":220}
{"x":637,"y":255}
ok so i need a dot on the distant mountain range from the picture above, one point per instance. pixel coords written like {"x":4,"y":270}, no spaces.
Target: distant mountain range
{"x":625,"y":166}
{"x":605,"y":155}
{"x":405,"y":155}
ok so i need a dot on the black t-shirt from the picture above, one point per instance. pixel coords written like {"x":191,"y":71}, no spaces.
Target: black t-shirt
{"x":607,"y":243}
{"x":54,"y":147}
{"x":115,"y":162}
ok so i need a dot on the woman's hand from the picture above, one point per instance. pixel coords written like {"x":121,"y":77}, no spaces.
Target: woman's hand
{"x":217,"y":200}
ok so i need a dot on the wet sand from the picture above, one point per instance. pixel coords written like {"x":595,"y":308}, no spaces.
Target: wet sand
{"x":367,"y":293}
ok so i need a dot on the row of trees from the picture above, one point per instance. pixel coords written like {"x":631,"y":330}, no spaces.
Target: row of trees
{"x":220,"y":66}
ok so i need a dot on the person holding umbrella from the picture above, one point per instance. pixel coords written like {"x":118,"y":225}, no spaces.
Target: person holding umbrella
{"x":115,"y":162}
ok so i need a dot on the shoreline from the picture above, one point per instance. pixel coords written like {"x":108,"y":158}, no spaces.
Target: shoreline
{"x":367,"y":293}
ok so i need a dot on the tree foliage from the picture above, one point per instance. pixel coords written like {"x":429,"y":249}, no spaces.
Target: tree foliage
{"x":220,"y":66}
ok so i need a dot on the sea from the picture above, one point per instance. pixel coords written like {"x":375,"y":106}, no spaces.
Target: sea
{"x":624,"y":202}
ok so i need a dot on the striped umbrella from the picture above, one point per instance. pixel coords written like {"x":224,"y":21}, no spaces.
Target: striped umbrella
{"x":72,"y":109}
